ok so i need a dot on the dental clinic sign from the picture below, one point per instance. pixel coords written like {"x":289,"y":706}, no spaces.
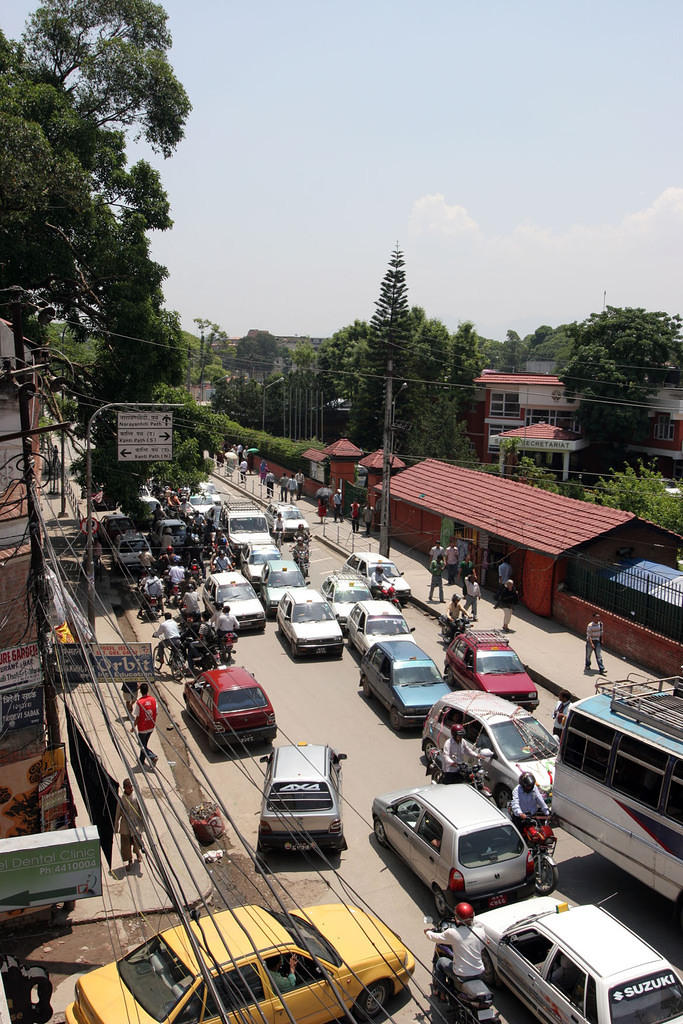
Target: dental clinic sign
{"x":51,"y":867}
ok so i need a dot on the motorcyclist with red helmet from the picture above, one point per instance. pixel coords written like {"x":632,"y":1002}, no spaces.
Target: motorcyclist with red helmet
{"x":466,"y":940}
{"x":457,"y":751}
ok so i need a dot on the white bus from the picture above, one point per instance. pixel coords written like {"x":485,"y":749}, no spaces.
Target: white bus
{"x":619,"y":779}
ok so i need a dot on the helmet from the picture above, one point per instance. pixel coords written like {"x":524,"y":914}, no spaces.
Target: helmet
{"x":176,"y":559}
{"x":464,"y":913}
{"x":527,"y":782}
{"x":379,"y":568}
{"x":457,"y":731}
{"x":169,"y":548}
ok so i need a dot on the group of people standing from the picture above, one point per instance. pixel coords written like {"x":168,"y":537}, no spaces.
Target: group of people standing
{"x":456,"y":561}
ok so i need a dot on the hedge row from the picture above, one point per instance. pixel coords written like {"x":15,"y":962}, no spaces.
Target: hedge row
{"x":279,"y":449}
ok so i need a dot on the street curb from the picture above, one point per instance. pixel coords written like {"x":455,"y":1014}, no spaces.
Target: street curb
{"x":536,"y":677}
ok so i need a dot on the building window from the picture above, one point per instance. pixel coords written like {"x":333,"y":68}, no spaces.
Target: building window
{"x":664,"y":427}
{"x":494,"y":430}
{"x":505,"y":403}
{"x":555,"y":417}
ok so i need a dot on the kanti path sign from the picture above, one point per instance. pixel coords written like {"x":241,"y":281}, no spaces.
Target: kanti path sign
{"x":50,"y":867}
{"x":144,"y":436}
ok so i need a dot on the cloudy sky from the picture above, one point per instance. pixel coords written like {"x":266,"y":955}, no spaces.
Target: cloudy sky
{"x":526,"y":157}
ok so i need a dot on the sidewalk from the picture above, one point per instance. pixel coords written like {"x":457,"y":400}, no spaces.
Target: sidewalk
{"x":553,"y":657}
{"x":127,"y":894}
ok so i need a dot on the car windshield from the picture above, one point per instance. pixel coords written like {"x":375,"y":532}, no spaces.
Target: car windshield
{"x":242,"y":699}
{"x":290,"y":578}
{"x":390,"y":570}
{"x":387,"y":625}
{"x":652,"y":999}
{"x":175,"y":531}
{"x":263,"y":555}
{"x":291,"y":513}
{"x":489,"y":846}
{"x":316,"y":611}
{"x":235,"y":592}
{"x":523,"y":739}
{"x":248,"y":524}
{"x":304,"y":934}
{"x":132,"y":545}
{"x":346,"y":593}
{"x":155,"y":977}
{"x":199,"y":499}
{"x":416,"y":673}
{"x":505,"y":662}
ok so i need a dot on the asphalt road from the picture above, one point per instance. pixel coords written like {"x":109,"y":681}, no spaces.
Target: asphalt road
{"x":319,"y":701}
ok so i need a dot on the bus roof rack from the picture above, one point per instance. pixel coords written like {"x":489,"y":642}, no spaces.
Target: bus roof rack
{"x":657,"y":703}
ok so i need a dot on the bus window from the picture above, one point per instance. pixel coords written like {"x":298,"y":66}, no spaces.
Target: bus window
{"x":639,"y":770}
{"x":587,"y":746}
{"x":674,"y":805}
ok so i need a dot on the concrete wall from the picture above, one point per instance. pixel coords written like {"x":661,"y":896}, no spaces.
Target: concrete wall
{"x":659,"y":654}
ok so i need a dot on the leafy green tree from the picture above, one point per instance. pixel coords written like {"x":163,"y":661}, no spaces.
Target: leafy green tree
{"x":642,"y":491}
{"x":74,"y":217}
{"x":340,"y":358}
{"x":618,"y":362}
{"x":255,"y":354}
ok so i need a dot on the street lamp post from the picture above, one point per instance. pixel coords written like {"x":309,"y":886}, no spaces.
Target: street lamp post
{"x":265,"y":388}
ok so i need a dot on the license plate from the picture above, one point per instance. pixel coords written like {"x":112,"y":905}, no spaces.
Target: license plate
{"x":297,"y":846}
{"x":498,"y":901}
{"x":246,"y":739}
{"x":320,"y":650}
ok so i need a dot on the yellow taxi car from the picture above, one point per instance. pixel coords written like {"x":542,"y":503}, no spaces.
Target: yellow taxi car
{"x":343,"y":956}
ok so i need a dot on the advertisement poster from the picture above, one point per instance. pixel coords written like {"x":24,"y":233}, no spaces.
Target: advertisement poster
{"x":20,"y":665}
{"x":21,"y":723}
{"x":112,"y":663}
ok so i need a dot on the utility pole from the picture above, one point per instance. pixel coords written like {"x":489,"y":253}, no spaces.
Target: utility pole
{"x":386,"y":456}
{"x":37,"y":580}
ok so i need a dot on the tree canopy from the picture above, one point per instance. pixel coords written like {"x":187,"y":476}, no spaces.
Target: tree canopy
{"x":618,"y":362}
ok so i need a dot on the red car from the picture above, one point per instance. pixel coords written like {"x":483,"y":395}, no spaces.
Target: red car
{"x":231,"y":707}
{"x":482,"y":659}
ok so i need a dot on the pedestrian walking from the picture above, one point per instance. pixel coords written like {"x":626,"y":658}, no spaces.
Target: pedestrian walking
{"x":466,"y":567}
{"x":283,"y":487}
{"x":472,"y":594}
{"x":262,"y":471}
{"x":278,"y":530}
{"x":129,"y":690}
{"x":436,"y":576}
{"x":337,"y":506}
{"x":506,"y":598}
{"x":594,"y":637}
{"x":355,"y":517}
{"x":560,"y":712}
{"x":368,"y":516}
{"x":129,"y":824}
{"x":452,"y":561}
{"x":291,"y":489}
{"x":504,"y":571}
{"x":322,"y":510}
{"x":299,"y":477}
{"x":144,"y":722}
{"x":243,"y":472}
{"x":270,"y":483}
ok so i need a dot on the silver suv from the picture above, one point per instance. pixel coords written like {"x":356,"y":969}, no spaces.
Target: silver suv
{"x":302,"y":799}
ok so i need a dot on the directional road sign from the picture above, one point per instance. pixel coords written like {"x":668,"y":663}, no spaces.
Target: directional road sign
{"x":145,"y":436}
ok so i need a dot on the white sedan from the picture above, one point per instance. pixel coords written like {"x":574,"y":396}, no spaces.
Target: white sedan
{"x":308,"y":624}
{"x":578,"y":965}
{"x":253,"y":561}
{"x":232,"y":590}
{"x":372,"y":621}
{"x":365,"y":563}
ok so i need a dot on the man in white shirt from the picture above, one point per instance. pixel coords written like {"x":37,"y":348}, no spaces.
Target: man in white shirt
{"x":191,"y":601}
{"x":437,"y":551}
{"x":224,"y":621}
{"x":169,"y":635}
{"x":466,"y":940}
{"x":504,"y":572}
{"x":457,"y":751}
{"x":378,"y":580}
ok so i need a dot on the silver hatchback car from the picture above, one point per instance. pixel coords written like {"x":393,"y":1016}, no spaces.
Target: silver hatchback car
{"x":458,"y":843}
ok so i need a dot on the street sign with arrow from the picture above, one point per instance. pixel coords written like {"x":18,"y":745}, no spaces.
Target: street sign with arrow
{"x":144,"y":436}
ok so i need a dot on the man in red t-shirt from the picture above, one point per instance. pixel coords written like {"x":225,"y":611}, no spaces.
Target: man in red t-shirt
{"x":145,"y":719}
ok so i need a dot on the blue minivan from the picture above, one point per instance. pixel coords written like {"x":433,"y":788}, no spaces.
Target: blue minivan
{"x":403,"y":678}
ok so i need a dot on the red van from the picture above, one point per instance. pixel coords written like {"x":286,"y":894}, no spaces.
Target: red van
{"x":482,"y":659}
{"x":231,"y":707}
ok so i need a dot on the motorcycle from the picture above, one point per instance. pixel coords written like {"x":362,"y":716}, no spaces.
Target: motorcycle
{"x":150,"y":607}
{"x":302,"y":558}
{"x":195,"y":572}
{"x":541,"y":840}
{"x":473,"y":774}
{"x":450,"y":629}
{"x":471,"y":1000}
{"x":387,"y":592}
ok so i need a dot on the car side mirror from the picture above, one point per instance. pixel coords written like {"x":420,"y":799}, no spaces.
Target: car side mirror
{"x":342,"y":757}
{"x":402,"y":574}
{"x":264,"y":759}
{"x":487,"y":752}
{"x":412,"y":629}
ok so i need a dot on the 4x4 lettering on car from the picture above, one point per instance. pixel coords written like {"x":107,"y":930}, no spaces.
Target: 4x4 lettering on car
{"x":301,"y":787}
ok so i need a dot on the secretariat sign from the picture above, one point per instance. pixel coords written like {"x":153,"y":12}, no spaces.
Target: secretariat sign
{"x":50,"y":867}
{"x":144,"y":436}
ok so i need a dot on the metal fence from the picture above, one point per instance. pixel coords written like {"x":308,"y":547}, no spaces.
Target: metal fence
{"x":648,"y":599}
